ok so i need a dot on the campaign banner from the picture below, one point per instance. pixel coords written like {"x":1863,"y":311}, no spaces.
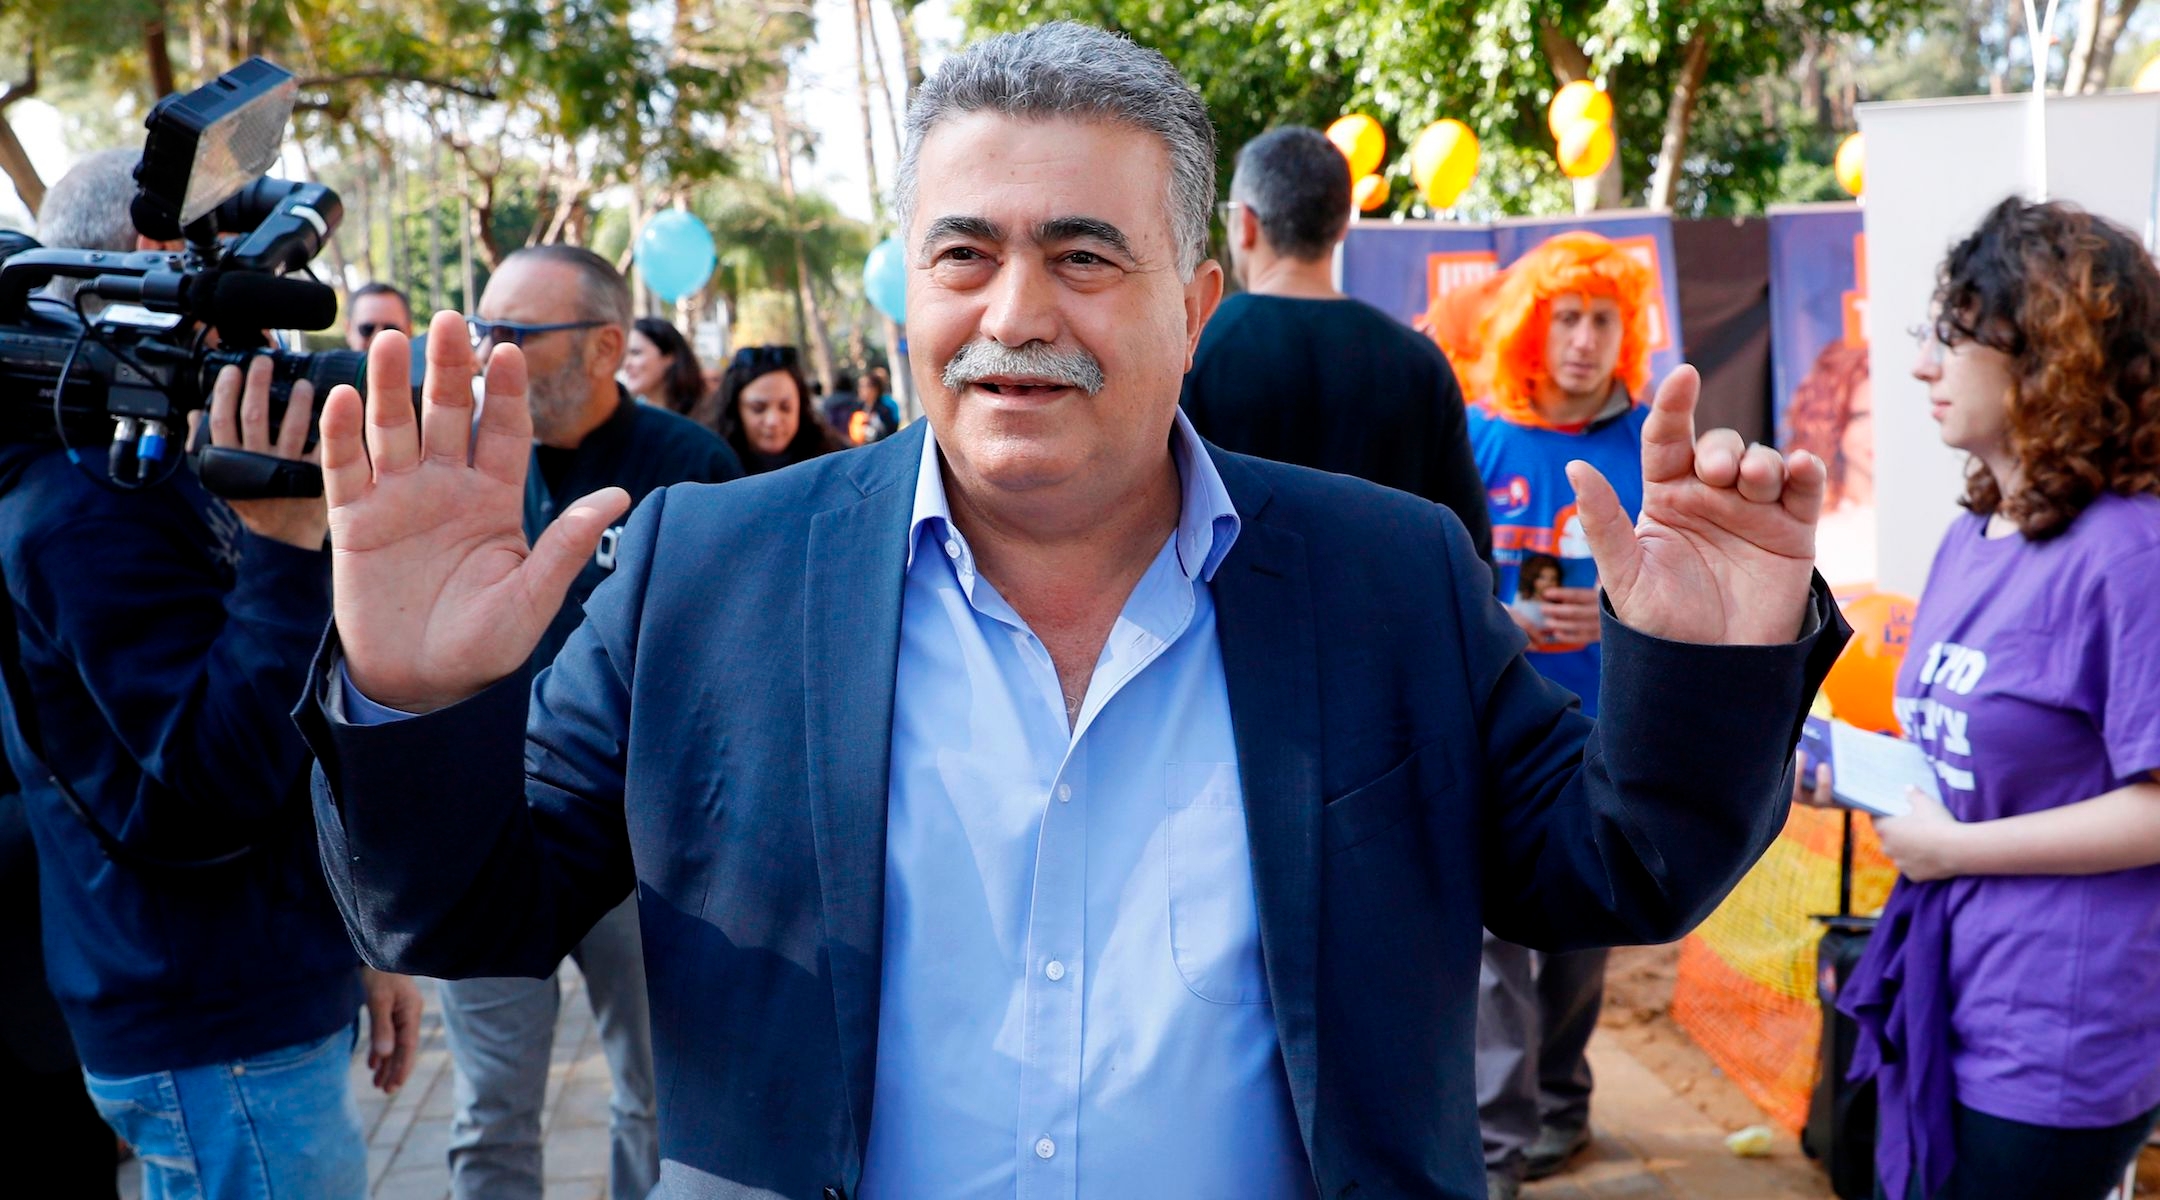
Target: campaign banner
{"x":1645,"y":235}
{"x":1821,"y":397}
{"x":1400,"y":268}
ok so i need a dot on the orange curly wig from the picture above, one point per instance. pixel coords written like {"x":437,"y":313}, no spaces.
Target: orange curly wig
{"x":1511,"y":366}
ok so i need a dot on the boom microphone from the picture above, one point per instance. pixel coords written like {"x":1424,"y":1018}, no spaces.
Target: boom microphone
{"x":252,"y":300}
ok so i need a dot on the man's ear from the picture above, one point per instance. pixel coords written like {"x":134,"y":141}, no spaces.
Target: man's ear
{"x":609,"y":342}
{"x":1202,"y":294}
{"x":1247,"y":231}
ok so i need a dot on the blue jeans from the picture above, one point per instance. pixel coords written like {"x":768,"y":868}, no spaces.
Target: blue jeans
{"x":271,"y":1127}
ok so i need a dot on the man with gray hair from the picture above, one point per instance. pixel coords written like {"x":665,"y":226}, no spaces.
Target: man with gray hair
{"x":1040,"y":802}
{"x":568,"y":312}
{"x":87,"y":209}
{"x":1293,"y":370}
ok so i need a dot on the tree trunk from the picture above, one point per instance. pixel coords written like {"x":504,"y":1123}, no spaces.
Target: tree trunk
{"x":903,"y":12}
{"x":1569,"y":63}
{"x":884,"y":86}
{"x":813,"y":314}
{"x":13,"y":158}
{"x":1679,"y":115}
{"x":157,"y":54}
{"x":862,"y":94}
{"x":2104,"y":44}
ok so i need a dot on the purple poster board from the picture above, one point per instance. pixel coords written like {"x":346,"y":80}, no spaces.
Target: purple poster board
{"x":1400,"y":268}
{"x":1821,"y":396}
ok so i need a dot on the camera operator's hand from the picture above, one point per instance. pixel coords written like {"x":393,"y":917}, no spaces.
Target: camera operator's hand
{"x":240,"y":419}
{"x":394,"y":1006}
{"x":437,"y":594}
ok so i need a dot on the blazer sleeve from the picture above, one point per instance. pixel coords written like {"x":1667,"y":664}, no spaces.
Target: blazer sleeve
{"x":1631,"y":829}
{"x":488,"y":837}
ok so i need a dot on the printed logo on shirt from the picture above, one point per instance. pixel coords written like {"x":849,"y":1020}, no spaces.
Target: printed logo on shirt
{"x":1936,"y":725}
{"x":1510,"y":499}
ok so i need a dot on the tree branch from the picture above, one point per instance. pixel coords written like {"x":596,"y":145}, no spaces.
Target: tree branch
{"x":1679,"y":115}
{"x":445,"y":85}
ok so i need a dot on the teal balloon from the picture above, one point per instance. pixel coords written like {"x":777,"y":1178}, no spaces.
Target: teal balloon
{"x":884,"y":277}
{"x":675,"y":255}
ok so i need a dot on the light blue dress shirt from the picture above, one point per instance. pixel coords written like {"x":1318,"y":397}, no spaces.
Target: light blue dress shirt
{"x":1073,"y":1002}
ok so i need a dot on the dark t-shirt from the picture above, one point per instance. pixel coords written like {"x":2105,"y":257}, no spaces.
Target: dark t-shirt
{"x":639,"y":449}
{"x":1340,"y":386}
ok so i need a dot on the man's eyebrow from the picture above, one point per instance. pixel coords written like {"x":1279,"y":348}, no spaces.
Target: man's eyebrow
{"x":1071,"y":229}
{"x":978,"y":228}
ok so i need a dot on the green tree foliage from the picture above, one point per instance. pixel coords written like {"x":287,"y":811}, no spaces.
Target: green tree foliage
{"x":1494,"y":64}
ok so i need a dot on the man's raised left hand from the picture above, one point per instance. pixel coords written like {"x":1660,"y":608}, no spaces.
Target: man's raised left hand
{"x":1725,"y":549}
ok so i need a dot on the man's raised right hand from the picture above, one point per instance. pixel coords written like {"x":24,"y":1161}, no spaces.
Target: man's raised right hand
{"x":437,"y":595}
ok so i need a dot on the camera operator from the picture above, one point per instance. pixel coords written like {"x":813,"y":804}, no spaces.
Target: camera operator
{"x":161,"y":635}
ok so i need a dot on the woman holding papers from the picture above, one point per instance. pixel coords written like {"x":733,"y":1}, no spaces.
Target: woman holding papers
{"x":2010,"y":1000}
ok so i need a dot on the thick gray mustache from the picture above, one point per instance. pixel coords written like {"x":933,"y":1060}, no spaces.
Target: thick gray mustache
{"x":1035,"y":360}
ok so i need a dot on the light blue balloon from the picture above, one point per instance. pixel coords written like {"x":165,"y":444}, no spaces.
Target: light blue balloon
{"x":884,"y":277}
{"x":675,"y":254}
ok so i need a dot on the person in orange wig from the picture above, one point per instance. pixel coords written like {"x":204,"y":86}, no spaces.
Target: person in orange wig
{"x":1562,"y":355}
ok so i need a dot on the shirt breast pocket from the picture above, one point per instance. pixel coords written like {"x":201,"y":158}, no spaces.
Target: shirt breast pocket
{"x":1214,"y":922}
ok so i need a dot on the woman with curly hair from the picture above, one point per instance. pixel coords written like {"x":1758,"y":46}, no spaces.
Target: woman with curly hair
{"x":1832,"y":417}
{"x":2009,"y":1002}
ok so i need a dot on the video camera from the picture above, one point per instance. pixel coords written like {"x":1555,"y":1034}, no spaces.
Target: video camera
{"x":128,"y":378}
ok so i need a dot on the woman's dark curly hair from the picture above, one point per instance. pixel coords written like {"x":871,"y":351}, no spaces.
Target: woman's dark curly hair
{"x":684,"y":384}
{"x":1821,"y":408}
{"x":2074,"y":300}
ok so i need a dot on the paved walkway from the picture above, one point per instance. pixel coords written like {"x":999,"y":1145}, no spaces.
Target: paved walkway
{"x":1652,"y":1144}
{"x":408,"y":1134}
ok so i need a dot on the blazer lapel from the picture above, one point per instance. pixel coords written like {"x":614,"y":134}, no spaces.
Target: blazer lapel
{"x":1264,"y":618}
{"x":851,"y":647}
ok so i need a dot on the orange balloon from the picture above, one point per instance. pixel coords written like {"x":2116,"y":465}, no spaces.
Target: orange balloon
{"x":1864,"y":679}
{"x":1576,"y":102}
{"x":1852,"y":164}
{"x":1361,"y":140}
{"x":1585,"y":149}
{"x":1370,"y":192}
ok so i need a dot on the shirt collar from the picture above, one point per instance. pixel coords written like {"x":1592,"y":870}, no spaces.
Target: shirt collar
{"x":1207,"y":520}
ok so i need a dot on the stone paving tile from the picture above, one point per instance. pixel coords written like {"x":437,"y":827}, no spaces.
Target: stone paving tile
{"x":1651,"y":1144}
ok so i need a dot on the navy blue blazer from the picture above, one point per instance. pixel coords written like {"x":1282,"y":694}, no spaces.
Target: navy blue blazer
{"x":716,"y":737}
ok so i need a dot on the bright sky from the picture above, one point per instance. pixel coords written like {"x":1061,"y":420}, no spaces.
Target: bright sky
{"x":825,"y":103}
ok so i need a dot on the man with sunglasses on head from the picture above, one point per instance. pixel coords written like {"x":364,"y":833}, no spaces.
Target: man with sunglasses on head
{"x":568,"y":310}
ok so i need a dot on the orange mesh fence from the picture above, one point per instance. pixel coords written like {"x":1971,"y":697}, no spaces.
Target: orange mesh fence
{"x":1745,"y":990}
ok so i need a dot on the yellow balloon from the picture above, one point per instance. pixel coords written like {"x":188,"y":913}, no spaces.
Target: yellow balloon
{"x":1585,"y":148}
{"x":1852,"y":164}
{"x":2148,"y":77}
{"x":1578,"y":101}
{"x":1362,"y":141}
{"x":1370,"y":192}
{"x":1443,"y":161}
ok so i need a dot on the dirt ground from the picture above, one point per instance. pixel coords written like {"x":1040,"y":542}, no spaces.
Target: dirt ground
{"x":1638,"y":1000}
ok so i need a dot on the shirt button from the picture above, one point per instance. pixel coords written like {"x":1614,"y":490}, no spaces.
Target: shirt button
{"x":1044,"y":1148}
{"x":1055,"y":970}
{"x":952,"y":548}
{"x":1064,"y":792}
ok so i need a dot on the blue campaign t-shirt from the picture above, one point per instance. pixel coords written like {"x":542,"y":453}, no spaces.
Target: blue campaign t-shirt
{"x":1532,"y":505}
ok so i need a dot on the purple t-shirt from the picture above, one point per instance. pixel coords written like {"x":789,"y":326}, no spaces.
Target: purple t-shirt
{"x":2033,"y":681}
